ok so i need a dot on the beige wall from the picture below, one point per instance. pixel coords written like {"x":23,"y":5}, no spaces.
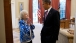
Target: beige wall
{"x":73,"y":8}
{"x":2,"y":26}
{"x":12,"y":0}
{"x":73,"y":13}
{"x":17,"y":13}
{"x":75,"y":30}
{"x":26,"y":6}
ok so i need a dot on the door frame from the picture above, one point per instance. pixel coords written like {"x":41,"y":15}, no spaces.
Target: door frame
{"x":8,"y":21}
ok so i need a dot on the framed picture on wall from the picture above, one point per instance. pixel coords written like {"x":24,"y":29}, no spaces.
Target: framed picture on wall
{"x":21,"y":6}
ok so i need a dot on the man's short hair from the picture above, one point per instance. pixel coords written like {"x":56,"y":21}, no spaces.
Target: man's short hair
{"x":47,"y":1}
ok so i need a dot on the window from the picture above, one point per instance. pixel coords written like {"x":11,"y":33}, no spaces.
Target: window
{"x":62,"y":8}
{"x":35,"y":9}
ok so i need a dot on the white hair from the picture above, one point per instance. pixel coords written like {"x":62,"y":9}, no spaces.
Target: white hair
{"x":22,"y":13}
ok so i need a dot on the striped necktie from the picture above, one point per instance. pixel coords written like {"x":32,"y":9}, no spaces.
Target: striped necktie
{"x":46,"y":13}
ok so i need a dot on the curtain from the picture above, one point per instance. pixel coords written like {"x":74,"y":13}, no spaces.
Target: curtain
{"x":30,"y":10}
{"x":68,"y":9}
{"x":55,"y":4}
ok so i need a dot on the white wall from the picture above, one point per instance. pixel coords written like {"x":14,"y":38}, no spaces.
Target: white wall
{"x":15,"y":11}
{"x":73,"y":12}
{"x":13,"y":14}
{"x":73,"y":7}
{"x":26,"y":6}
{"x":2,"y":24}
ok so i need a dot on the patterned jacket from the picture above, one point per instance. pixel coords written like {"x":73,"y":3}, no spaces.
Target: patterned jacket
{"x":26,"y":31}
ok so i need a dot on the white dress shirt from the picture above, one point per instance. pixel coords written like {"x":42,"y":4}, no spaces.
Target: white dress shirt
{"x":49,"y":9}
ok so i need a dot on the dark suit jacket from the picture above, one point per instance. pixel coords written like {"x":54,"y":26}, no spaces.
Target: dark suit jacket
{"x":51,"y":26}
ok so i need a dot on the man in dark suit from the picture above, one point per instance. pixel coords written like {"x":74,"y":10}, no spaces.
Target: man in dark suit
{"x":51,"y":25}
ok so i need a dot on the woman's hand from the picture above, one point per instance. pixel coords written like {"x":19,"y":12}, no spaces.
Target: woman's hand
{"x":29,"y":22}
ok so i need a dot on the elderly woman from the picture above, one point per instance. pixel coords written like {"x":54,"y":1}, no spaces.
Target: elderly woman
{"x":26,"y":28}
